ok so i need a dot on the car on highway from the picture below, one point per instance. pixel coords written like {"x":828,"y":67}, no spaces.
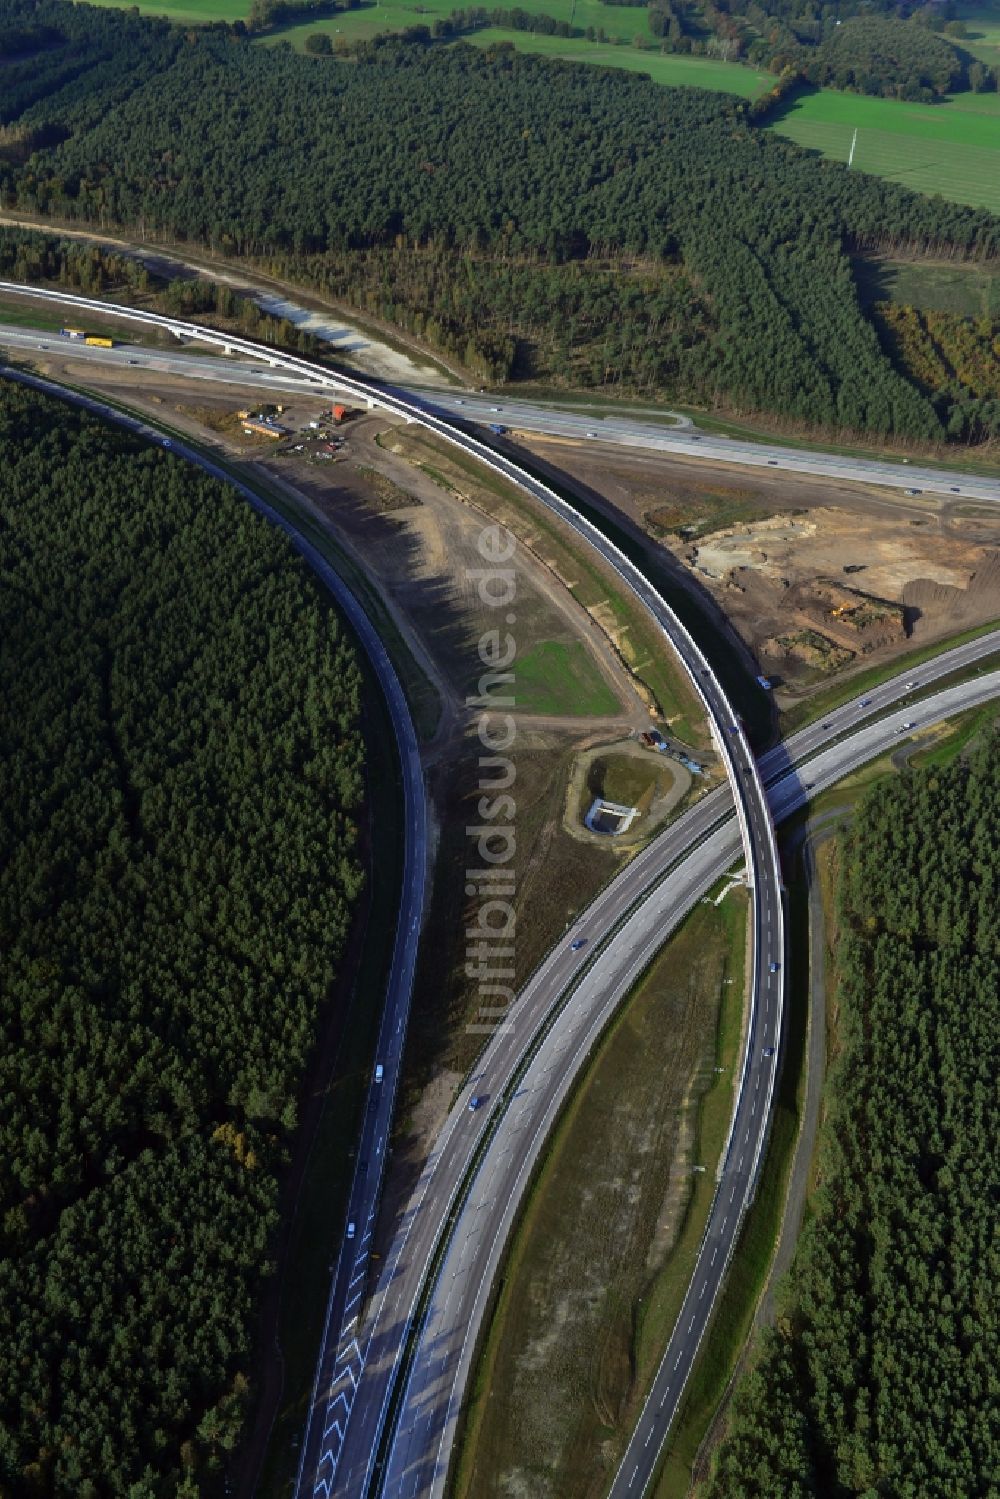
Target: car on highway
{"x":773,"y":967}
{"x":734,"y":728}
{"x":768,"y":1051}
{"x":166,"y":442}
{"x":910,"y":686}
{"x":865,"y":702}
{"x":904,"y":726}
{"x":379,"y":1073}
{"x":911,"y":491}
{"x":954,"y":489}
{"x":496,"y":408}
{"x":352,"y":1229}
{"x":577,"y":944}
{"x":475,"y":1102}
{"x":772,"y":462}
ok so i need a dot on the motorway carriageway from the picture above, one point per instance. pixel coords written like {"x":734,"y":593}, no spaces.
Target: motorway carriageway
{"x":683,"y":440}
{"x":333,"y":1402}
{"x":758,"y":837}
{"x":442,"y":1360}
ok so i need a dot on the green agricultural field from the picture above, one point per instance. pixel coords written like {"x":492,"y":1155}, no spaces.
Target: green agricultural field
{"x":951,"y":148}
{"x":560,"y":678}
{"x":193,"y":11}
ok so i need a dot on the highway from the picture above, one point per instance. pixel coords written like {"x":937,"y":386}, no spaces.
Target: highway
{"x":418,"y":1457}
{"x":334,"y":1399}
{"x":352,"y":1253}
{"x":651,"y":434}
{"x":371,"y":1360}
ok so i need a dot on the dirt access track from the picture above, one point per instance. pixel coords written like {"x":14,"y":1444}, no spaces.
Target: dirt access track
{"x":817,"y":576}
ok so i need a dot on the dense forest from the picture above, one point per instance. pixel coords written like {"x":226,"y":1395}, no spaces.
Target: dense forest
{"x":180,"y":778}
{"x":266,"y":154}
{"x":880,"y":1376}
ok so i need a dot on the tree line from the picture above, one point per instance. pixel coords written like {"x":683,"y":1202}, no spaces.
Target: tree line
{"x":181,"y":773}
{"x":879,"y":1376}
{"x":564,"y":165}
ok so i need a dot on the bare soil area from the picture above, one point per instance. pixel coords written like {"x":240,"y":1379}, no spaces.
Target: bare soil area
{"x":816,"y":576}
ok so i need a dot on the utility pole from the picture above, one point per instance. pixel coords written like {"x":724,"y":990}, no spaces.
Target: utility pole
{"x":850,"y":157}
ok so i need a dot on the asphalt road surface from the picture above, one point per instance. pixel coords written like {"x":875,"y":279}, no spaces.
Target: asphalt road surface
{"x":420,"y":1450}
{"x":652,"y":435}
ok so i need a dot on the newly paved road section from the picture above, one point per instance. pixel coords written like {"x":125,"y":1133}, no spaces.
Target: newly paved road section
{"x":683,"y":439}
{"x":352,"y":1257}
{"x":418,"y":1459}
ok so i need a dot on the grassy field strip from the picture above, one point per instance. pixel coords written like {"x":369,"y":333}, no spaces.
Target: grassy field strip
{"x":749,"y":1268}
{"x":667,"y":69}
{"x":589,"y":1205}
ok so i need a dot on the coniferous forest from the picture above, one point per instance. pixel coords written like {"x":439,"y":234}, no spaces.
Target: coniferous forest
{"x":181,"y":779}
{"x":535,"y":217}
{"x":881,"y":1374}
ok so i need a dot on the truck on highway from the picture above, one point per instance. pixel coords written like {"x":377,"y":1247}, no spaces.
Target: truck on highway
{"x":97,"y":342}
{"x":72,"y":333}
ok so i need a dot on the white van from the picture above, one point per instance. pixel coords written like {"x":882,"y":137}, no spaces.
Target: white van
{"x":379,"y":1073}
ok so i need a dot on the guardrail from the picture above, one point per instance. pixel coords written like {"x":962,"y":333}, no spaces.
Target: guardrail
{"x":688,"y":652}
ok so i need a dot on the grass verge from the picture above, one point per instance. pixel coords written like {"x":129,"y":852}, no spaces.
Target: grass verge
{"x":747,"y":1276}
{"x":606,"y":1236}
